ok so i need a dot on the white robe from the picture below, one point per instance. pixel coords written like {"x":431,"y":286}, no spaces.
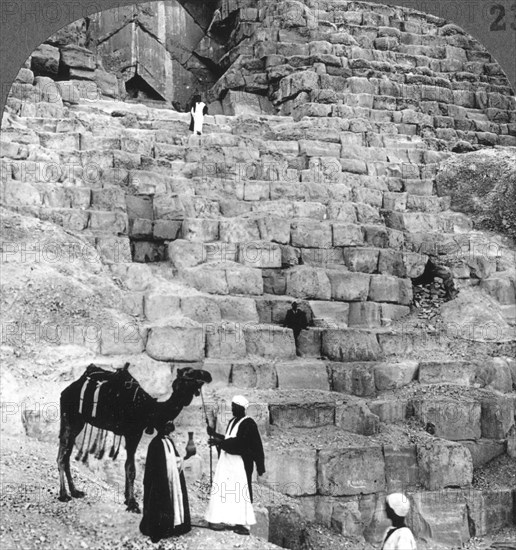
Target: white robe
{"x":401,"y":539}
{"x":230,"y":502}
{"x":197,"y":112}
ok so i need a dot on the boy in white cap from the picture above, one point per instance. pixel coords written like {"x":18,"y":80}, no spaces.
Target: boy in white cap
{"x":399,"y":536}
{"x":231,"y":493}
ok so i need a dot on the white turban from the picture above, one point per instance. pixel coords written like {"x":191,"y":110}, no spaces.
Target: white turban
{"x":241,"y":400}
{"x":399,"y":503}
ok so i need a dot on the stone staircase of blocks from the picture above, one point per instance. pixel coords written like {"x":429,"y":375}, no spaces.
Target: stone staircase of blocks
{"x":331,"y":203}
{"x":226,"y":256}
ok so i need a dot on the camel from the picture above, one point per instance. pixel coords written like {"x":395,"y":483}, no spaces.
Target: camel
{"x":121,"y":406}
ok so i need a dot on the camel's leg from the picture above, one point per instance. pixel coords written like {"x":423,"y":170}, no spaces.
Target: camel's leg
{"x":67,"y":435}
{"x":131,"y":444}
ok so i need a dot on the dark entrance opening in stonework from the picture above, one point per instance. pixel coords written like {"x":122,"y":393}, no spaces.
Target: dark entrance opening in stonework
{"x":138,"y":88}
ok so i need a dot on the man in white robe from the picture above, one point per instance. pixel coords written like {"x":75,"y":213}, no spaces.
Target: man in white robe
{"x":198,"y":111}
{"x":231,"y":501}
{"x":399,"y":536}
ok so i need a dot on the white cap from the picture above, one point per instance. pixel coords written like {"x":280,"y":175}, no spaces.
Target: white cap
{"x":241,"y":400}
{"x":399,"y":503}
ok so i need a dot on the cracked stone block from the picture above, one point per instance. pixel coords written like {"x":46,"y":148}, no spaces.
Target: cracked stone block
{"x":180,"y":340}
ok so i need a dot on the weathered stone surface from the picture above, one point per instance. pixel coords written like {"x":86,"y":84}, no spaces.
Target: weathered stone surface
{"x":349,"y":287}
{"x":308,"y":283}
{"x":364,"y":314}
{"x":390,"y":376}
{"x":260,"y":254}
{"x":180,"y":340}
{"x":237,"y":309}
{"x":302,"y":415}
{"x":355,"y":416}
{"x":303,"y":375}
{"x":352,"y":378}
{"x":269,"y":341}
{"x":200,"y":308}
{"x":329,"y":313}
{"x":159,"y":305}
{"x":401,"y":469}
{"x":445,"y":512}
{"x":120,"y":335}
{"x":454,"y":420}
{"x":347,"y":234}
{"x":444,"y":464}
{"x":184,"y":254}
{"x":224,"y":340}
{"x":352,"y":471}
{"x":76,"y":57}
{"x":393,"y":312}
{"x":311,"y":234}
{"x":385,"y":288}
{"x":45,"y":60}
{"x":364,"y":260}
{"x":254,"y":373}
{"x":292,"y":472}
{"x":484,"y":450}
{"x":446,"y":372}
{"x":497,"y":416}
{"x":350,"y":345}
{"x":389,"y":410}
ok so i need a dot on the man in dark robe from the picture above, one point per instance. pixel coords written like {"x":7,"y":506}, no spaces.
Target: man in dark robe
{"x":296,"y":320}
{"x":166,"y":511}
{"x":239,"y":449}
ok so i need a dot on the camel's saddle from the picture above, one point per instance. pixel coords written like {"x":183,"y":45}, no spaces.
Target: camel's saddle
{"x":110,"y":394}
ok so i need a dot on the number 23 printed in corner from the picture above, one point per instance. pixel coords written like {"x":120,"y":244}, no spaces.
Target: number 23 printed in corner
{"x":499,"y":13}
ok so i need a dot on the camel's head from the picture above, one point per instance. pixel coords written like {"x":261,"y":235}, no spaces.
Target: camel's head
{"x":189,"y":381}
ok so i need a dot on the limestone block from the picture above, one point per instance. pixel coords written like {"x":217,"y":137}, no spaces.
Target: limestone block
{"x":348,"y":287}
{"x":180,"y":340}
{"x":308,"y":283}
{"x":237,"y":309}
{"x":139,"y":207}
{"x":45,"y":60}
{"x":237,"y":230}
{"x":159,"y":306}
{"x":309,"y":342}
{"x":73,"y":56}
{"x":364,"y":260}
{"x":385,"y":288}
{"x":184,"y":254}
{"x":121,"y":334}
{"x":401,"y":468}
{"x":224,"y":340}
{"x":484,"y":450}
{"x":355,"y":416}
{"x":269,"y":341}
{"x":497,"y":416}
{"x":444,"y":464}
{"x":347,"y":235}
{"x":364,"y":314}
{"x":273,"y":228}
{"x":390,"y":376}
{"x":201,"y":309}
{"x":207,"y":278}
{"x":444,"y":512}
{"x":259,"y":374}
{"x":167,"y":230}
{"x":260,"y":254}
{"x":494,"y":373}
{"x":351,"y":471}
{"x":453,"y":420}
{"x":352,"y":378}
{"x":302,"y":415}
{"x":168,"y":207}
{"x":291,"y":471}
{"x":389,"y":410}
{"x":328,"y":313}
{"x":243,"y":279}
{"x":201,"y":230}
{"x":311,"y":234}
{"x":446,"y":372}
{"x":114,"y":249}
{"x":342,"y":212}
{"x":350,"y":345}
{"x":306,"y":374}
